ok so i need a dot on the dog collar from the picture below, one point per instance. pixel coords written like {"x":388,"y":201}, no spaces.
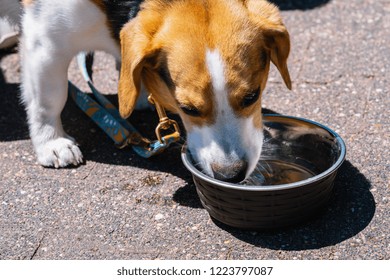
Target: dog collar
{"x":122,"y":132}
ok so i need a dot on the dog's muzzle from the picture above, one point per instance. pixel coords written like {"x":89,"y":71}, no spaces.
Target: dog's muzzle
{"x":232,"y":173}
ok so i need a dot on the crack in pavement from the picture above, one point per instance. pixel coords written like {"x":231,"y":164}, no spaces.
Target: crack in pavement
{"x":37,"y":248}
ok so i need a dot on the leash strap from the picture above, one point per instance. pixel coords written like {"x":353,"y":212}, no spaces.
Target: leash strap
{"x":107,"y":117}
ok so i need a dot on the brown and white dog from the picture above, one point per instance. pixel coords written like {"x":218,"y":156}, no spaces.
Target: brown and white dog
{"x":207,"y":60}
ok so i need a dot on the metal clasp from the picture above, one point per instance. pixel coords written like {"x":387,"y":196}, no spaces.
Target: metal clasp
{"x":165,"y":123}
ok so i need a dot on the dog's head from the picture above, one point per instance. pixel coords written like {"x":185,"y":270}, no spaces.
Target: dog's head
{"x":207,"y":61}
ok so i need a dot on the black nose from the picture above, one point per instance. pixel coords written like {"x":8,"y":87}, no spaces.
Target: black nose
{"x":232,"y":173}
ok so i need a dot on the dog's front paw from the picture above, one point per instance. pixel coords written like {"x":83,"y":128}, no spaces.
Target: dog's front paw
{"x":59,"y":152}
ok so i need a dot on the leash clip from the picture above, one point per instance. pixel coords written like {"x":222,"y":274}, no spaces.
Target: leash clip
{"x":165,"y":123}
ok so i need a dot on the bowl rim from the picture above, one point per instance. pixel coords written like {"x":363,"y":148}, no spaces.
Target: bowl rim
{"x":308,"y":181}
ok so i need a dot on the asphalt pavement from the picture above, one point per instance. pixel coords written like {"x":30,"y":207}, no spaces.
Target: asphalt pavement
{"x":120,"y":206}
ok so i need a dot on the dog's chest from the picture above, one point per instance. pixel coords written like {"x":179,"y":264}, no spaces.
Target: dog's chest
{"x":119,"y":12}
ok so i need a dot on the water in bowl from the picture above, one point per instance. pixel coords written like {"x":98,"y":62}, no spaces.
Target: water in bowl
{"x":277,"y":172}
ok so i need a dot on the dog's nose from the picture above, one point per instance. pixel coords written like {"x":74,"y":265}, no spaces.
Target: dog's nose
{"x":233,"y":173}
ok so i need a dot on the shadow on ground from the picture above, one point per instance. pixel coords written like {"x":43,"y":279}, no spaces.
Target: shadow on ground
{"x":299,"y":4}
{"x":13,"y":124}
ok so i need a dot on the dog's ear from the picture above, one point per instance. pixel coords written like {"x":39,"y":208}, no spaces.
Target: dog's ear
{"x":136,"y":51}
{"x":275,"y":35}
{"x":278,"y":41}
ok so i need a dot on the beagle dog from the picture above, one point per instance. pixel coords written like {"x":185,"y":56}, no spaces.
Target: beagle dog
{"x":206,"y":60}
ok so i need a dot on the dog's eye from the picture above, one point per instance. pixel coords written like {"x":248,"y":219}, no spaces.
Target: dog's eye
{"x":191,"y":111}
{"x":250,"y":98}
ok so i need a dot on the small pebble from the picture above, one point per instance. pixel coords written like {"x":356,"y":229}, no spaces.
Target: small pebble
{"x":159,"y":217}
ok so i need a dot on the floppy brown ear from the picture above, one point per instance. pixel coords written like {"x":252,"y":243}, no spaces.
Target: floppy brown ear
{"x":135,"y":50}
{"x":276,"y":37}
{"x":130,"y":72}
{"x":278,"y":41}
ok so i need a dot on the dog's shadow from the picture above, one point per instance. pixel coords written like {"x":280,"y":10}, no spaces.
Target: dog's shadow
{"x":299,"y":4}
{"x":350,"y":210}
{"x":13,"y":125}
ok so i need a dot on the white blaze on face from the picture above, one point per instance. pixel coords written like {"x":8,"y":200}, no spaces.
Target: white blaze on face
{"x":230,"y":138}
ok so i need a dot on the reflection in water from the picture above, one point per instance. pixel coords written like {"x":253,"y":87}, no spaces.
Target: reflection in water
{"x":276,"y":172}
{"x":294,"y":150}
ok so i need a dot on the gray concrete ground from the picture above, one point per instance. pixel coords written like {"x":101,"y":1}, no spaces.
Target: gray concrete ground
{"x":119,"y":206}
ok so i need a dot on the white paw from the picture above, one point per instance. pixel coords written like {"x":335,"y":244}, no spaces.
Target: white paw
{"x":59,"y":152}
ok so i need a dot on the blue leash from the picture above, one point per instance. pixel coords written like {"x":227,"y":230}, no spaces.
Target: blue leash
{"x":107,"y":117}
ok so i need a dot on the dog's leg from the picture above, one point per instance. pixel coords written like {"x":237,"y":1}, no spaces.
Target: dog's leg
{"x":44,"y":94}
{"x":47,"y":48}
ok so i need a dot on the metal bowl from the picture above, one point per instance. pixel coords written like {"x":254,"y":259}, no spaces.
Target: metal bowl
{"x":293,"y":181}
